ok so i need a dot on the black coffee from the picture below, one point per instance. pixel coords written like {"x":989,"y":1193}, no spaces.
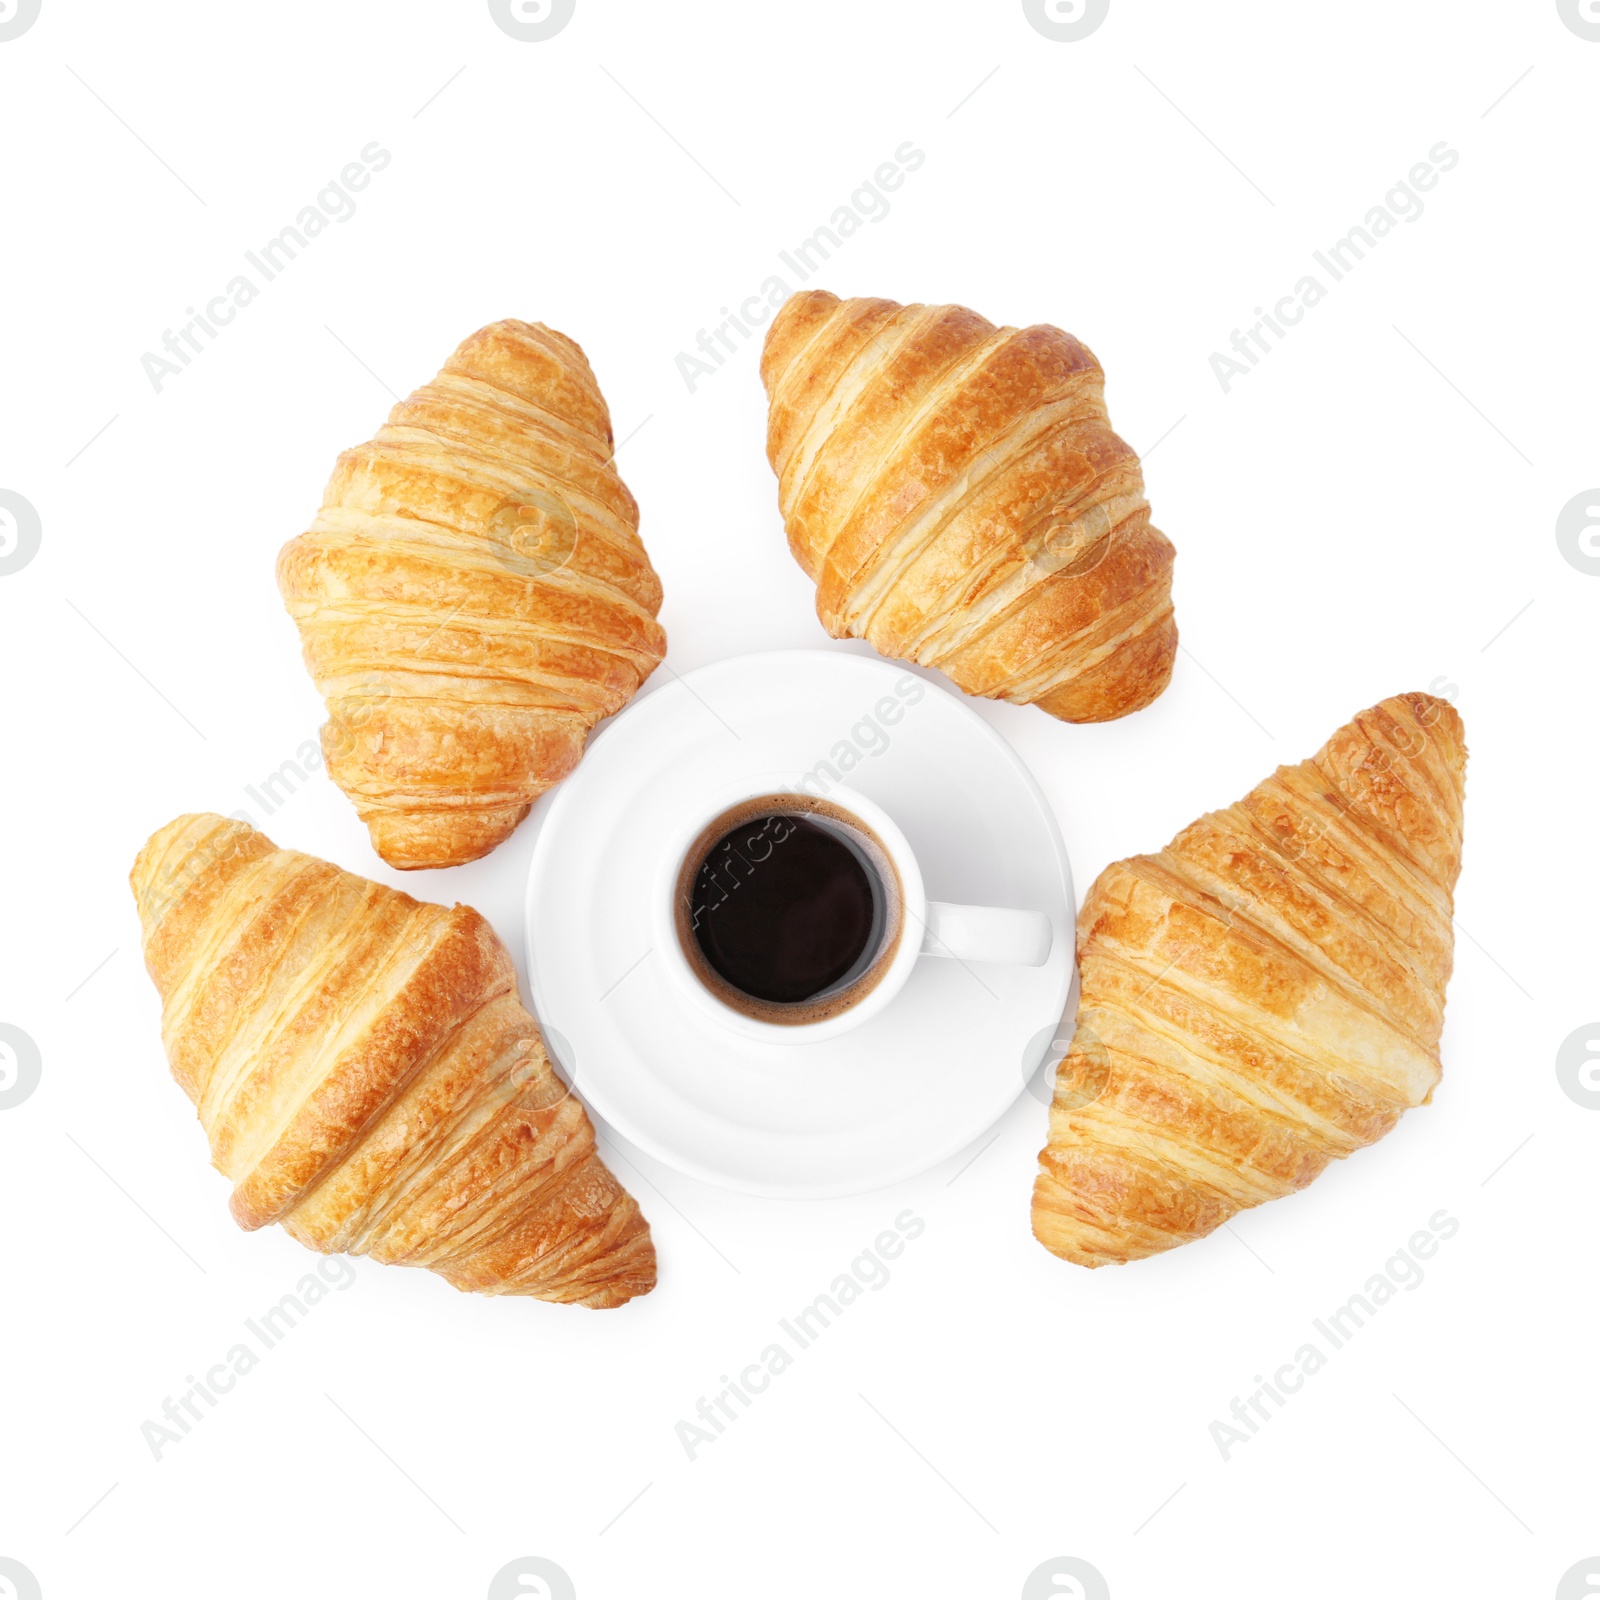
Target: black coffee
{"x":784,"y":912}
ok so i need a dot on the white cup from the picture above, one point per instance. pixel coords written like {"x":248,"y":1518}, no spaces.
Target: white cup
{"x":926,"y":927}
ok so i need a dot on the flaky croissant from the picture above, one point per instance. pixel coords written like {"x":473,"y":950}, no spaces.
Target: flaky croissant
{"x":1264,"y":995}
{"x":473,"y":597}
{"x":957,"y":494}
{"x":368,"y":1077}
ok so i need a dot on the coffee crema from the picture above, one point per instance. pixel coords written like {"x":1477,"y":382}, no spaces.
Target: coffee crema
{"x":788,"y":908}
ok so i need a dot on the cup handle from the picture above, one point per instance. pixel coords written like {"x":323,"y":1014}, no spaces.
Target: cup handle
{"x":987,"y":933}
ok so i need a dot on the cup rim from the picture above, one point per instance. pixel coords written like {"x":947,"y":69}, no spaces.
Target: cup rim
{"x":913,"y":910}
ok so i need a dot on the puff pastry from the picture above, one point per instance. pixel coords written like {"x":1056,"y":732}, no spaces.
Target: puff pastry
{"x":368,"y":1077}
{"x":473,"y":597}
{"x":956,"y":493}
{"x":1264,"y":995}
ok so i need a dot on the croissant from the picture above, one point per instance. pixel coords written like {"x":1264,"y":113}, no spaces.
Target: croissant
{"x":367,"y":1076}
{"x":473,"y":597}
{"x":1262,"y":996}
{"x":957,"y":495}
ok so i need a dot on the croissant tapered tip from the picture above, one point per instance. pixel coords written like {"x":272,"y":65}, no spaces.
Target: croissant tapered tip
{"x":413,"y":840}
{"x":1429,"y":710}
{"x":802,"y":305}
{"x":175,"y":855}
{"x":800,"y":314}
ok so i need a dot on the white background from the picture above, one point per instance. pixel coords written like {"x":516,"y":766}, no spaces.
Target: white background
{"x":1363,"y":514}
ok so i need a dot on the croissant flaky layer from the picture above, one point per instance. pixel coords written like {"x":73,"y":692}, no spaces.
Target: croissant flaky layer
{"x":1263,"y":995}
{"x":368,"y":1077}
{"x":957,"y":494}
{"x":473,"y":597}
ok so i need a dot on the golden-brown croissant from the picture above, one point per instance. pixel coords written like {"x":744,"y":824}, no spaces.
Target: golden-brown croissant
{"x":473,"y":597}
{"x":957,"y":494}
{"x":1263,"y":996}
{"x":368,"y":1077}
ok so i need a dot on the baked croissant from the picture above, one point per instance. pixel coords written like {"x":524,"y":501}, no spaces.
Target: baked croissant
{"x":1264,"y":995}
{"x":367,"y":1076}
{"x":473,"y":597}
{"x":957,"y":494}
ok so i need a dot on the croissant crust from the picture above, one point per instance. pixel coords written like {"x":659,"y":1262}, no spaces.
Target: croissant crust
{"x":473,"y":597}
{"x":956,"y":493}
{"x":1261,"y":997}
{"x":368,"y":1077}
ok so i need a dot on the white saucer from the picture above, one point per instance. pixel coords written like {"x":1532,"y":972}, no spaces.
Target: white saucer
{"x":907,"y":1088}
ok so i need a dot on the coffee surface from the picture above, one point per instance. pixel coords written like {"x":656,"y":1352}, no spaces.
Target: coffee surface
{"x":784,"y":908}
